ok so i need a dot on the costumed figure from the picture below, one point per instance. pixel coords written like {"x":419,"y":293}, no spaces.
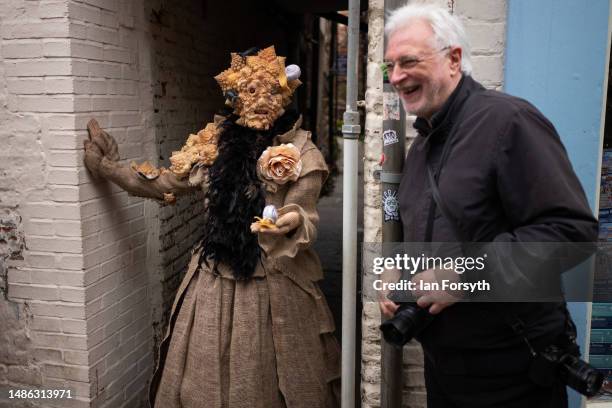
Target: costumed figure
{"x":249,"y":326}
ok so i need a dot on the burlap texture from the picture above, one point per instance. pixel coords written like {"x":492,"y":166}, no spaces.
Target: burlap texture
{"x":263,"y":343}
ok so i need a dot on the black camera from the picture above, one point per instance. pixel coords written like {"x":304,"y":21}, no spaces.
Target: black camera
{"x":555,"y":362}
{"x":409,"y":320}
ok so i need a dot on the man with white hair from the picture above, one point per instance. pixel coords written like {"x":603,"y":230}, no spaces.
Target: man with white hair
{"x":504,"y":176}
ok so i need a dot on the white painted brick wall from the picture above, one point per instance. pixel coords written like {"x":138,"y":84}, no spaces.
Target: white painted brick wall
{"x":485,"y":23}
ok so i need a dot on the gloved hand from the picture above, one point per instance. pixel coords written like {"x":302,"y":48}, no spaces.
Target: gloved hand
{"x":100,"y":145}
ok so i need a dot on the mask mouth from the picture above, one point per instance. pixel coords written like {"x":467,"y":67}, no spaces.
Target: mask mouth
{"x":261,"y":111}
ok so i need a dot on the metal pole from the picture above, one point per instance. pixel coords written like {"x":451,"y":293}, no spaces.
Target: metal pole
{"x":350,"y":130}
{"x":394,"y":139}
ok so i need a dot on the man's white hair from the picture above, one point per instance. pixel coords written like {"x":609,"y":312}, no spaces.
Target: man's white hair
{"x":448,"y":29}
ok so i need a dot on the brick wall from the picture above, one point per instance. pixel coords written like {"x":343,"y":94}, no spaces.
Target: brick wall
{"x":485,"y":23}
{"x":42,"y":321}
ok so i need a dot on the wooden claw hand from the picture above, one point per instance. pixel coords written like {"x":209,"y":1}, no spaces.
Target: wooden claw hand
{"x":102,"y":160}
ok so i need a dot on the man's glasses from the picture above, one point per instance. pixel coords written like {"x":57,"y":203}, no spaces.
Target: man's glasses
{"x":408,"y":62}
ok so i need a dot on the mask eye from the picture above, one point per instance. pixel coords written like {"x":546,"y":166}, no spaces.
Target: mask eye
{"x":251,"y":89}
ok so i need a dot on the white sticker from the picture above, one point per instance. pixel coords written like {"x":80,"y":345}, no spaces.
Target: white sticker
{"x":391,"y":106}
{"x":391,"y":205}
{"x":390,"y":137}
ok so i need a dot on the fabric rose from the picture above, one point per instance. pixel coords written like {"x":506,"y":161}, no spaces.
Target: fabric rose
{"x":280,"y":164}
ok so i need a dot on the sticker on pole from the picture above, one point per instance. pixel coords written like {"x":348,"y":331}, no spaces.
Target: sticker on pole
{"x":391,"y":106}
{"x":390,"y":205}
{"x":390,"y":137}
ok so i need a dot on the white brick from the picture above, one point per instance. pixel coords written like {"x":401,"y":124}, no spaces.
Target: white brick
{"x":20,"y":49}
{"x":493,"y":10}
{"x":68,"y":228}
{"x":80,"y":67}
{"x":76,"y":373}
{"x":28,"y":86}
{"x":488,"y":69}
{"x":486,"y":37}
{"x":38,"y":292}
{"x":111,"y":5}
{"x":85,"y":13}
{"x":70,"y":262}
{"x":55,"y":85}
{"x":52,"y":210}
{"x":16,"y":275}
{"x":117,"y":55}
{"x":110,"y":19}
{"x":61,"y":140}
{"x":39,"y":68}
{"x":48,"y":355}
{"x":87,"y":50}
{"x":124,"y":119}
{"x":52,"y":104}
{"x":78,"y":30}
{"x":39,"y":260}
{"x":55,"y":9}
{"x":60,"y":122}
{"x":82,"y":103}
{"x":67,"y":176}
{"x":64,"y":158}
{"x":56,"y":277}
{"x":121,"y":87}
{"x":45,"y":244}
{"x":105,"y":70}
{"x":102,"y":35}
{"x":76,"y":357}
{"x":56,"y":48}
{"x":62,"y":310}
{"x":46,"y":29}
{"x":63,"y":341}
{"x":61,"y":193}
{"x":47,"y":324}
{"x":72,"y":295}
{"x":39,"y":226}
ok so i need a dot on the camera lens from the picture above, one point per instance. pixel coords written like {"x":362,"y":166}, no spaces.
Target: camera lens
{"x":581,"y":376}
{"x":409,"y":321}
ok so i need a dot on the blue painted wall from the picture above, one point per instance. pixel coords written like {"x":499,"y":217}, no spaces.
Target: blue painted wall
{"x":556,"y":58}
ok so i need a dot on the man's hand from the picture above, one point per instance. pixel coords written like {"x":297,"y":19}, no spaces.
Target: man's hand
{"x":387,"y":307}
{"x":285,"y":224}
{"x":435,"y":300}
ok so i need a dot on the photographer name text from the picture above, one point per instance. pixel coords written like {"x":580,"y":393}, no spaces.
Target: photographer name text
{"x":445,"y":284}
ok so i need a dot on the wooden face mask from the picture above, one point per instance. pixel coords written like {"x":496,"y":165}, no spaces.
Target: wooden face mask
{"x":259,"y":87}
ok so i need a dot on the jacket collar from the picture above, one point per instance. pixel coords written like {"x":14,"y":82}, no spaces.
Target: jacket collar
{"x":444,"y":118}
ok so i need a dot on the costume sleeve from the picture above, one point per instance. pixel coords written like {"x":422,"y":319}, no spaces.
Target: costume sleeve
{"x":164,"y":188}
{"x":301,"y":198}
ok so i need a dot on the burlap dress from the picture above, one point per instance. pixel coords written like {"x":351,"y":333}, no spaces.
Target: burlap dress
{"x":265,"y":342}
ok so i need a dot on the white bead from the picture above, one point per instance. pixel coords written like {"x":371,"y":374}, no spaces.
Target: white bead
{"x":270,"y":212}
{"x":293,"y":72}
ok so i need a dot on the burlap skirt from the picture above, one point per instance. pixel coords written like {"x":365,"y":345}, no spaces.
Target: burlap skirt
{"x":262,"y":343}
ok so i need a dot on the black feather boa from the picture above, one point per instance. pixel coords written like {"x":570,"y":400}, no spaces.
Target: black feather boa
{"x":236,"y":195}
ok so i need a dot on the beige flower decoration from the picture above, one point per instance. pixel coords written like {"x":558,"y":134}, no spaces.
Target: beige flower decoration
{"x":280,"y":164}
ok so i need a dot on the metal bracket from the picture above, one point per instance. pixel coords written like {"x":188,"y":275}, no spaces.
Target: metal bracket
{"x":351,"y":129}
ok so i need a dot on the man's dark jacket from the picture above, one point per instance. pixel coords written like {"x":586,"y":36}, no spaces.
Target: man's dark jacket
{"x":506,"y":178}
